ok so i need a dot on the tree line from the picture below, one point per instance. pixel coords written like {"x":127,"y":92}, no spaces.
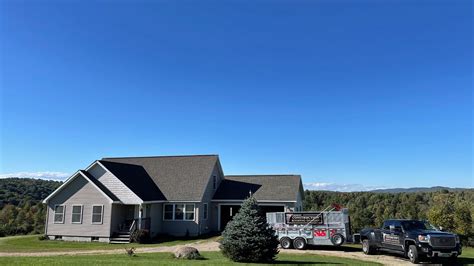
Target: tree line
{"x":452,"y":210}
{"x":21,"y":210}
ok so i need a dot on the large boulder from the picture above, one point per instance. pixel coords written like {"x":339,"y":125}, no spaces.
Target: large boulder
{"x":189,"y":253}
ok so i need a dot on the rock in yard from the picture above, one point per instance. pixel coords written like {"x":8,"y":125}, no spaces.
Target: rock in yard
{"x":189,"y":253}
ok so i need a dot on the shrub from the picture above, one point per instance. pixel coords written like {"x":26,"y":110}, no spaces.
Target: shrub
{"x":43,"y":237}
{"x":141,"y":236}
{"x":248,"y":237}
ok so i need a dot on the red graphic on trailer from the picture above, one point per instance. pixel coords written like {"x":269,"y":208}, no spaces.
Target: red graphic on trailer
{"x":323,"y":233}
{"x":320,"y":232}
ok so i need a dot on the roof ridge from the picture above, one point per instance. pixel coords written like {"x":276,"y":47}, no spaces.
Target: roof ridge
{"x":161,"y":156}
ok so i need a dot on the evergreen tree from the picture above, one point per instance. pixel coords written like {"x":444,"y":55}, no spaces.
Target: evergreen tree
{"x":248,"y":237}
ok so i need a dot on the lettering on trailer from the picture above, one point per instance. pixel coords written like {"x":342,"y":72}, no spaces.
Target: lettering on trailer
{"x":391,"y":239}
{"x":312,"y":218}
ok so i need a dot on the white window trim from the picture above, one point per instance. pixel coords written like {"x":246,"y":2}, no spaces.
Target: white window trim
{"x":184,"y":212}
{"x":101,"y":214}
{"x":72,"y":213}
{"x":205,"y":212}
{"x":54,"y":211}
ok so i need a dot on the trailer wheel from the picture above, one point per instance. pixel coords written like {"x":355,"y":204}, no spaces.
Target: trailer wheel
{"x":337,"y":239}
{"x":285,"y":242}
{"x":299,"y":243}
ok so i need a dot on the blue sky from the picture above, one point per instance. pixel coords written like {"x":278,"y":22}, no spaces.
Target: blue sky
{"x":374,"y":93}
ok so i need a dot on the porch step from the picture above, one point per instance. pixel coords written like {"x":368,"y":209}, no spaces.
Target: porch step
{"x":118,"y":242}
{"x":120,"y":238}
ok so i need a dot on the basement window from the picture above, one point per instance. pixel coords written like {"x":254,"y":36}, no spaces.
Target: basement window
{"x":95,"y":239}
{"x":58,"y":237}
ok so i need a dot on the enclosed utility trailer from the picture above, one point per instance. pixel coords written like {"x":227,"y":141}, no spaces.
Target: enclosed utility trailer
{"x":299,"y":229}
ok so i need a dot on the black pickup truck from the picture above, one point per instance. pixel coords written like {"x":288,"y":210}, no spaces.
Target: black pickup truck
{"x":417,"y":240}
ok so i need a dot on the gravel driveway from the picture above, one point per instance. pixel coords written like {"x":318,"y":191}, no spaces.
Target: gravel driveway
{"x":214,"y":246}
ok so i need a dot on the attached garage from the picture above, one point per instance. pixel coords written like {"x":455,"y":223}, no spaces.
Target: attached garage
{"x":274,"y":193}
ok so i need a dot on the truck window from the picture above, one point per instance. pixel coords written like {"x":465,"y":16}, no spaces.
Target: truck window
{"x":397,"y":225}
{"x":386,"y":225}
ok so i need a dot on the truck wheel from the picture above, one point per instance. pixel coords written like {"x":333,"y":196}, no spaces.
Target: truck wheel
{"x":299,"y":243}
{"x":366,"y":248}
{"x":412,"y":254}
{"x":337,"y":239}
{"x":285,"y":242}
{"x":453,"y":259}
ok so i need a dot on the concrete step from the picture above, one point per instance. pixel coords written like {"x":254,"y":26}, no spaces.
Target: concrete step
{"x":122,"y":235}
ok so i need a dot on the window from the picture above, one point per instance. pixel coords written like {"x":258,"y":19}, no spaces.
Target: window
{"x":387,"y":224}
{"x":169,"y":211}
{"x":95,"y":239}
{"x":76,"y":214}
{"x":214,"y":182}
{"x":179,"y":212}
{"x":59,"y":214}
{"x":97,"y":214}
{"x":205,"y":210}
{"x":189,"y":212}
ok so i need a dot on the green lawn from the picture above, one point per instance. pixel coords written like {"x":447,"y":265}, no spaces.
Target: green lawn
{"x":32,"y":244}
{"x":210,"y":258}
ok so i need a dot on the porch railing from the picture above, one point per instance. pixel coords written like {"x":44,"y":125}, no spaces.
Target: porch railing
{"x":135,"y":224}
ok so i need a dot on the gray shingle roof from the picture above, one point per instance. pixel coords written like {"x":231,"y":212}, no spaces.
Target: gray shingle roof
{"x":136,"y":179}
{"x":263,"y":187}
{"x":179,"y":178}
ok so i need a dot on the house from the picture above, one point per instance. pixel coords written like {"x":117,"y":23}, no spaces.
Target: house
{"x":175,"y":195}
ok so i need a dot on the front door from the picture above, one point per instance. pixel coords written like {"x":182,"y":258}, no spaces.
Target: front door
{"x":227,"y":213}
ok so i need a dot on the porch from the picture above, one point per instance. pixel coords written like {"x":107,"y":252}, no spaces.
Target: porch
{"x":126,"y":219}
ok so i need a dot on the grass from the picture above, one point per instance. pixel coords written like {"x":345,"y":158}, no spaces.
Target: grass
{"x":210,"y":258}
{"x":28,"y":244}
{"x":31,"y":243}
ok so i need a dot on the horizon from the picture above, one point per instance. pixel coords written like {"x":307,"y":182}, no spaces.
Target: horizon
{"x":347,"y":95}
{"x":314,"y":186}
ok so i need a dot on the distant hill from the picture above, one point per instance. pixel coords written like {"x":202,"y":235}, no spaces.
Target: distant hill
{"x":18,"y":191}
{"x":418,"y":189}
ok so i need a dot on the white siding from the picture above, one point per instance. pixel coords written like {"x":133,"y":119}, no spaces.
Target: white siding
{"x":116,"y":186}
